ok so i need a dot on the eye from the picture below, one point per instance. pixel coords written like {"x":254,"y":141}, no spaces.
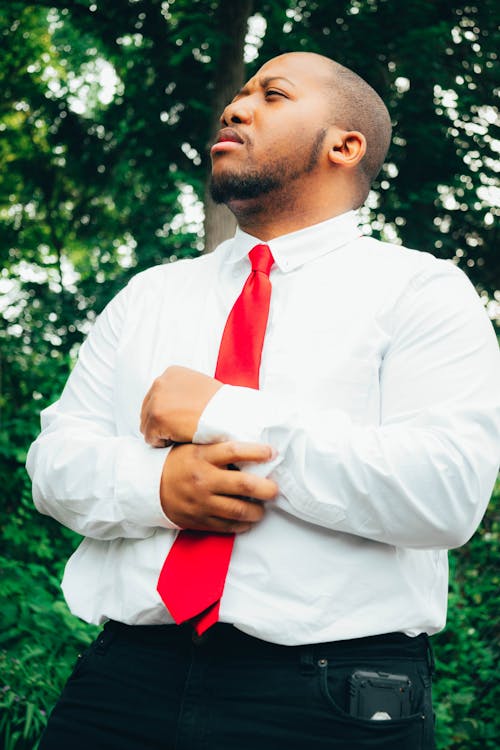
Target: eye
{"x":273,"y":92}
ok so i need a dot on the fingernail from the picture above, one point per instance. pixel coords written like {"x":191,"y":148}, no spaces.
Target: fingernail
{"x":274,"y":454}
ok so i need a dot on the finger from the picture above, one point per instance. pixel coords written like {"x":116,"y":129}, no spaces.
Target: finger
{"x":232,"y":452}
{"x":151,"y":426}
{"x":224,"y":514}
{"x":149,"y":429}
{"x":154,"y":437}
{"x":244,"y":484}
{"x":144,"y":412}
{"x":219,"y":526}
{"x":235,"y":509}
{"x":161,"y":443}
{"x":233,"y":515}
{"x":225,"y":526}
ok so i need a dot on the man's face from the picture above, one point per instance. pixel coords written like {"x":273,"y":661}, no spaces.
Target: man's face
{"x":273,"y":132}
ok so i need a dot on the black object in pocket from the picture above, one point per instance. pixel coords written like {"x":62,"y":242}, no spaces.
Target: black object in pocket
{"x":362,"y":733}
{"x":379,"y":695}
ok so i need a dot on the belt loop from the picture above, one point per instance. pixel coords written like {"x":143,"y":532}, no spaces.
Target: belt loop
{"x":430,"y":656}
{"x":307,"y":660}
{"x":106,"y":636}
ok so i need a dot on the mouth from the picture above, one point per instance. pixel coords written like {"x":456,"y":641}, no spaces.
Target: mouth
{"x":227,"y":139}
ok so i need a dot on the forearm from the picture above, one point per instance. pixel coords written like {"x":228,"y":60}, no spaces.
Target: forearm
{"x":97,"y":478}
{"x":418,"y":469}
{"x":403,"y":485}
{"x":98,"y":485}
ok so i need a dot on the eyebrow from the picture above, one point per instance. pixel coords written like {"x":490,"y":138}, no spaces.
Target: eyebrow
{"x":264,"y":82}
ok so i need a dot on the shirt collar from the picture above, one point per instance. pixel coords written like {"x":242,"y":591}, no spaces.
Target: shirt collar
{"x":293,"y":250}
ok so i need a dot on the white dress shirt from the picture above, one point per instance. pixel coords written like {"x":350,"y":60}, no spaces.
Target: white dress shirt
{"x":380,"y":392}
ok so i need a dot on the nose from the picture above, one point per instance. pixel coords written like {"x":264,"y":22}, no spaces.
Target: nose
{"x":237,"y":112}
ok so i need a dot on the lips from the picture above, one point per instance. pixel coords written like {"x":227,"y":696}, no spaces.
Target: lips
{"x":227,"y":140}
{"x":228,"y":134}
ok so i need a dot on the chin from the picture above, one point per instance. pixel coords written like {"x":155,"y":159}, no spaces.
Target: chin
{"x":241,"y":188}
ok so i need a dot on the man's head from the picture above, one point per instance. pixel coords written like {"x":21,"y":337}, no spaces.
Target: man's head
{"x":303,"y":121}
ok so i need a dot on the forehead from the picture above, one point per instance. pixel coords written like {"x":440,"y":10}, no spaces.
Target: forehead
{"x":299,"y":70}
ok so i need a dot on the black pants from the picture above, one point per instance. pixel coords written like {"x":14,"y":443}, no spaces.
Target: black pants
{"x":157,"y":688}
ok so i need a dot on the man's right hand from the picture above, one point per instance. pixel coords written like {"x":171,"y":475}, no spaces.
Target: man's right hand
{"x":199,"y":491}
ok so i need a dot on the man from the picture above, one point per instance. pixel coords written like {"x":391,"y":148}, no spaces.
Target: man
{"x":365,"y":427}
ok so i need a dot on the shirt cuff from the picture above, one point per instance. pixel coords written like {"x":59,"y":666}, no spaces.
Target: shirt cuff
{"x":245,"y":415}
{"x":237,"y":413}
{"x":138,"y":472}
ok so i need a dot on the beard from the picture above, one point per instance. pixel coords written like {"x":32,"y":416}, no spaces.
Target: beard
{"x":257,"y":182}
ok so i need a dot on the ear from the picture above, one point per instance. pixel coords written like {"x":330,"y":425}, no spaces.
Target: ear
{"x":348,"y":148}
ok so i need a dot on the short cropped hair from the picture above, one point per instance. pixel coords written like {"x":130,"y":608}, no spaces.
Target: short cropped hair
{"x":356,"y":106}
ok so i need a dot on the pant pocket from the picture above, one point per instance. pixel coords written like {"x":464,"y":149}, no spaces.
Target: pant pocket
{"x":362,"y":734}
{"x":79,"y":665}
{"x":99,"y":647}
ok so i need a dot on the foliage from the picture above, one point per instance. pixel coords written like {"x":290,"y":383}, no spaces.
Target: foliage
{"x":105,"y":113}
{"x":433,"y":64}
{"x":39,"y":642}
{"x":467,"y":689}
{"x":41,"y":639}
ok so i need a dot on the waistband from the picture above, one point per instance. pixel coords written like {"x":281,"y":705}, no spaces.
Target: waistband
{"x":226,"y":639}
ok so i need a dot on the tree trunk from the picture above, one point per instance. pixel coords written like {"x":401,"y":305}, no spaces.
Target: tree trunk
{"x":229,"y":77}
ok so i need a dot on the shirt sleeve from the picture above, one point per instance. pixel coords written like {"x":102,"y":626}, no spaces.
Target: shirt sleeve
{"x":423,"y":476}
{"x":86,"y":476}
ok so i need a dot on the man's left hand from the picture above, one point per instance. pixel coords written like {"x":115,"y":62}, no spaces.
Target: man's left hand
{"x":173,"y":405}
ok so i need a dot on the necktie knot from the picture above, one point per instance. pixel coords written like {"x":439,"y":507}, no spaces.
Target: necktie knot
{"x":261,"y":259}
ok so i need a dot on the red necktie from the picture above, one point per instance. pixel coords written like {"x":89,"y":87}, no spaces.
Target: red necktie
{"x":193,"y":576}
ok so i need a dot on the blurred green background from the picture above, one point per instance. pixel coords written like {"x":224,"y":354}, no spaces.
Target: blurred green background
{"x":106,"y":109}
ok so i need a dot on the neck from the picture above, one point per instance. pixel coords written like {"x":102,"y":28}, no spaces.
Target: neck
{"x":275,"y":214}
